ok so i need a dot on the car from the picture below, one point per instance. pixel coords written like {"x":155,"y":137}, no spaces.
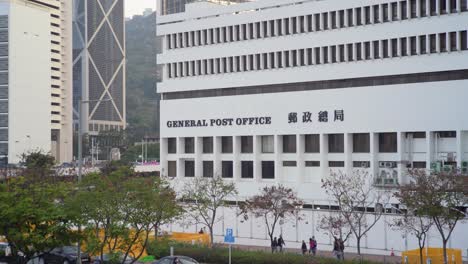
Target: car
{"x":65,"y":255}
{"x":5,"y":249}
{"x":107,"y":257}
{"x":177,"y":260}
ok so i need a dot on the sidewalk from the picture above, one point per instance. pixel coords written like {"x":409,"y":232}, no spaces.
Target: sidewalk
{"x":348,"y":256}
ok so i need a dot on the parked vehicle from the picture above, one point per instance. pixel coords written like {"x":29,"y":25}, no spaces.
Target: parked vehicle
{"x":65,"y":255}
{"x":107,"y":257}
{"x":177,"y":260}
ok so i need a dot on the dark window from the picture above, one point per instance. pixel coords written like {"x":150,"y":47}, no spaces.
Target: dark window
{"x":385,"y":13}
{"x":464,"y":40}
{"x":388,"y":143}
{"x":413,"y":45}
{"x":361,"y":164}
{"x":443,"y":42}
{"x":385,"y":48}
{"x":312,"y":143}
{"x":417,"y":134}
{"x":464,"y":6}
{"x":208,"y":169}
{"x":443,"y":7}
{"x":433,"y":7}
{"x":413,"y":8}
{"x":268,"y":169}
{"x":350,"y":17}
{"x":423,"y":8}
{"x":325,"y":21}
{"x":247,"y":169}
{"x":317,"y":22}
{"x":367,"y":50}
{"x":376,"y":49}
{"x":447,"y":134}
{"x":207,"y":145}
{"x":289,"y":144}
{"x":404,"y":47}
{"x":289,"y":163}
{"x":172,"y":168}
{"x":404,"y":10}
{"x":453,"y":41}
{"x":309,"y":23}
{"x":422,"y":44}
{"x":367,"y":12}
{"x":335,"y":143}
{"x":226,"y":144}
{"x":358,"y":16}
{"x":359,"y":51}
{"x":376,"y":14}
{"x":246,"y":144}
{"x":226,"y":168}
{"x":394,"y":47}
{"x":361,"y":143}
{"x":189,"y":168}
{"x":189,"y":145}
{"x":312,"y":163}
{"x":394,"y":11}
{"x":333,"y":19}
{"x":171,"y":145}
{"x":336,"y":164}
{"x":419,"y":165}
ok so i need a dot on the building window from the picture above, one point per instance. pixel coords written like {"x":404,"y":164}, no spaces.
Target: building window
{"x":447,"y":134}
{"x":388,"y":143}
{"x":289,"y":163}
{"x":335,"y":143}
{"x":419,"y":165}
{"x":422,"y":44}
{"x":226,"y":144}
{"x":361,"y":143}
{"x":171,"y":145}
{"x":312,"y":163}
{"x":189,"y":145}
{"x":246,"y":144}
{"x":189,"y":168}
{"x":208,"y":169}
{"x":268,"y":169}
{"x":207,"y":145}
{"x":289,"y":144}
{"x":312,"y":143}
{"x":268,"y":144}
{"x":171,"y":168}
{"x":361,"y":164}
{"x":336,"y":164}
{"x":247,"y":169}
{"x":226,"y":169}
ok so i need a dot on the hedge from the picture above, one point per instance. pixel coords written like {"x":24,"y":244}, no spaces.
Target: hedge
{"x":220,"y":255}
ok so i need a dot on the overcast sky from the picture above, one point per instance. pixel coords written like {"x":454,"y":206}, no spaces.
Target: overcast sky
{"x":136,"y":7}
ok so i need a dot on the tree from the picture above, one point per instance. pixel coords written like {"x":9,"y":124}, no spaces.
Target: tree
{"x":203,"y":198}
{"x":273,"y":204}
{"x":439,"y":196}
{"x":33,"y":215}
{"x":37,"y":164}
{"x":118,"y":210}
{"x":335,"y":225}
{"x":414,"y":223}
{"x":354,"y":193}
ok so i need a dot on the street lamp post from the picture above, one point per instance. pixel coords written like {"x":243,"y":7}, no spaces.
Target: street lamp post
{"x":80,"y":156}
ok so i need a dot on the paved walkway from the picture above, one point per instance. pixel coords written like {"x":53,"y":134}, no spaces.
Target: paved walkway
{"x":376,"y":258}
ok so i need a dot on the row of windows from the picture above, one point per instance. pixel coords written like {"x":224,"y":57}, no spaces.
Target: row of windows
{"x":267,"y":167}
{"x":380,"y":13}
{"x":360,"y":142}
{"x":369,"y":50}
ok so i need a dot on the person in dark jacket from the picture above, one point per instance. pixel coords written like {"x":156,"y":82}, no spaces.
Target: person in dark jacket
{"x":281,"y":243}
{"x":304,"y":247}
{"x":274,"y":245}
{"x":312,"y":246}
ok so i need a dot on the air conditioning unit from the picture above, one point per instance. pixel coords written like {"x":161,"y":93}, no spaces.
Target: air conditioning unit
{"x":448,"y":168}
{"x":365,"y":164}
{"x":390,"y":164}
{"x":436,"y":166}
{"x":464,"y":164}
{"x":382,"y":164}
{"x":464,"y":170}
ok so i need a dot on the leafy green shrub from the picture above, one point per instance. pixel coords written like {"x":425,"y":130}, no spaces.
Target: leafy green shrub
{"x":162,"y":247}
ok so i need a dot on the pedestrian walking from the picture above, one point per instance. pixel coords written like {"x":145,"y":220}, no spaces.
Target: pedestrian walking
{"x":312,"y":246}
{"x":304,"y":248}
{"x":341,"y":244}
{"x":274,"y":245}
{"x":281,"y":243}
{"x":336,"y":249}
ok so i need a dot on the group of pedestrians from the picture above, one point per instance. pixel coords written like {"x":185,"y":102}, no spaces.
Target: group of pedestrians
{"x":277,"y":243}
{"x":312,"y":246}
{"x":338,"y":246}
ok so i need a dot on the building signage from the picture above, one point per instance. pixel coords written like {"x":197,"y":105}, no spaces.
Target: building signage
{"x":293,"y":117}
{"x":322,"y":117}
{"x":219,"y":122}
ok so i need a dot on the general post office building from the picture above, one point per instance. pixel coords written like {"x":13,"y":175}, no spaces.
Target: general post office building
{"x":287,"y":91}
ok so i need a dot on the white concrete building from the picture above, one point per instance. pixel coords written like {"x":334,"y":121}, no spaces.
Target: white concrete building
{"x":36,"y":77}
{"x":285,"y":91}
